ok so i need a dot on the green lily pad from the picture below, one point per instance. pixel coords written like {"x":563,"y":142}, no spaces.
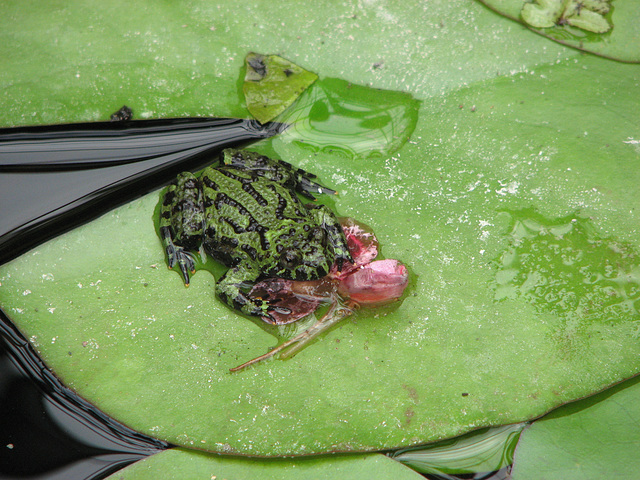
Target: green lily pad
{"x":272,"y":84}
{"x":551,"y":138}
{"x":595,"y":26}
{"x":180,"y":463}
{"x":594,"y":438}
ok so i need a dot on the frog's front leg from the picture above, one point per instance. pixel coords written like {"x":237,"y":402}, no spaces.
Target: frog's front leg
{"x":182,"y":222}
{"x":230,"y":290}
{"x":335,"y":234}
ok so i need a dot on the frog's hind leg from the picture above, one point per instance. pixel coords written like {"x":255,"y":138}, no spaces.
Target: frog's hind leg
{"x":182,"y":222}
{"x":230,"y":290}
{"x":275,"y":170}
{"x":335,"y":234}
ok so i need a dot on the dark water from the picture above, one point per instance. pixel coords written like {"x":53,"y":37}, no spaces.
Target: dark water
{"x":503,"y":474}
{"x":47,"y":431}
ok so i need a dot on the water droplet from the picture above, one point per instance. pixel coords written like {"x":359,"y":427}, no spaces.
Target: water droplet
{"x":335,"y":115}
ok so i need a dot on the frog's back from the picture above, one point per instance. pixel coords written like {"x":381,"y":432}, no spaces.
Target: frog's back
{"x":243,"y":211}
{"x":241,"y":195}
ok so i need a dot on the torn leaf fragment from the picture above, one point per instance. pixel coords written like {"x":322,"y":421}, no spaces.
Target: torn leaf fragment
{"x":543,"y":13}
{"x":588,"y":20}
{"x":272,"y":83}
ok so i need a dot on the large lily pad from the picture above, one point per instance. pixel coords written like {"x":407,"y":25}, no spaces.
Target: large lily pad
{"x":553,"y":140}
{"x":180,"y":463}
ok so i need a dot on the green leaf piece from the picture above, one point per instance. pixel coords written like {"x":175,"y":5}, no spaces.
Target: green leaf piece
{"x":272,"y":84}
{"x":595,"y":438}
{"x":543,"y":13}
{"x":590,"y":25}
{"x":584,"y":15}
{"x":181,"y":463}
{"x":510,"y":127}
{"x":588,"y":20}
{"x":487,"y":450}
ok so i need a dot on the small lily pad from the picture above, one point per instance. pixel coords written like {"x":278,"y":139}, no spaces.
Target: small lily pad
{"x":272,"y":83}
{"x":585,"y":15}
{"x":599,"y":438}
{"x":181,"y":463}
{"x":593,"y":26}
{"x":543,"y":13}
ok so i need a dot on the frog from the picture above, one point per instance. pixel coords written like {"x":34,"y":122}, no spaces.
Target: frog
{"x":244,"y":212}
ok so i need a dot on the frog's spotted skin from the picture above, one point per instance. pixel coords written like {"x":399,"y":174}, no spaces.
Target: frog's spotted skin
{"x":245,"y":214}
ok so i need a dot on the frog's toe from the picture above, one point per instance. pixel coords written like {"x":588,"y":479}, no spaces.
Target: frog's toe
{"x":187,"y":265}
{"x":177,"y":255}
{"x":267,"y":317}
{"x":184,"y":259}
{"x":307,"y":187}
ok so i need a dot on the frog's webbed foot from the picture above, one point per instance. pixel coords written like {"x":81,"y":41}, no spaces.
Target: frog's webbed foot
{"x":230,"y":290}
{"x":177,"y":255}
{"x":335,"y":234}
{"x":277,"y":171}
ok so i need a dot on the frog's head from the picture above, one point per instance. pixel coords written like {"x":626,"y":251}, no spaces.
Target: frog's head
{"x":307,"y":260}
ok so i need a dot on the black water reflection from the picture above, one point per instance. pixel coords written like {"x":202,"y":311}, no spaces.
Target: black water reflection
{"x":47,"y":431}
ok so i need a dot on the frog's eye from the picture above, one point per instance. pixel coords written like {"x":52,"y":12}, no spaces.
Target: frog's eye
{"x":290,"y":259}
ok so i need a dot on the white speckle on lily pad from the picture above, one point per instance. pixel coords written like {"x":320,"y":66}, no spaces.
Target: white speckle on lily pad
{"x":508,"y":188}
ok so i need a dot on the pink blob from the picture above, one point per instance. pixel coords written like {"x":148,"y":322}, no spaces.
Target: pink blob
{"x":376,"y":283}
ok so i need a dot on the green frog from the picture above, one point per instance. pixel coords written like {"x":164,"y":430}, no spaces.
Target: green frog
{"x":245,"y":213}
